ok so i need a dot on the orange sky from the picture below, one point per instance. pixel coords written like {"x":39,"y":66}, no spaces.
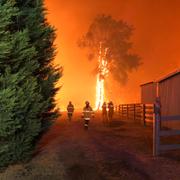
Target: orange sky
{"x":156,"y":39}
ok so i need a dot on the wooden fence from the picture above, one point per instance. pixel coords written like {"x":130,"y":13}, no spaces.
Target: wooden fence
{"x":137,"y":112}
{"x":151,"y":113}
{"x":158,"y":133}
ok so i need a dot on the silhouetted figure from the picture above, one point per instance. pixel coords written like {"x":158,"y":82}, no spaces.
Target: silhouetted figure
{"x":104,"y":113}
{"x":157,"y":109}
{"x":110,"y":110}
{"x":116,"y":108}
{"x":87,"y":114}
{"x":70,"y":110}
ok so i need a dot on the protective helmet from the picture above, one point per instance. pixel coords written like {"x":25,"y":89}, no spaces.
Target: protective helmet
{"x":87,"y":102}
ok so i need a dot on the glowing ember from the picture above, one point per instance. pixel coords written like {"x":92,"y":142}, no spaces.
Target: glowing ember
{"x":103,"y":71}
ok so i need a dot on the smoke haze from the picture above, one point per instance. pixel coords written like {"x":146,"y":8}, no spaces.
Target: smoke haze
{"x":156,"y":39}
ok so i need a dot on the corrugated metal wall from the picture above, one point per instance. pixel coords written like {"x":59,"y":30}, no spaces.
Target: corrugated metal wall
{"x":169,"y":91}
{"x":148,"y":93}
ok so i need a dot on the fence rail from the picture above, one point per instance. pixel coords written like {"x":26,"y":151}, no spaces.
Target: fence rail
{"x":158,"y":133}
{"x":151,"y":113}
{"x":141,"y":112}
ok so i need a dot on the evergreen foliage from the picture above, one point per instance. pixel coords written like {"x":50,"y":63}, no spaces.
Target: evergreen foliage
{"x":27,"y":77}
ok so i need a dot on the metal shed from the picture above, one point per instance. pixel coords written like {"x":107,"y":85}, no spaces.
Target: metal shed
{"x":169,"y":93}
{"x":148,"y":92}
{"x":168,"y":89}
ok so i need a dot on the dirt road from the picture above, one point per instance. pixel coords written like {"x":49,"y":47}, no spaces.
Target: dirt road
{"x":120,"y":150}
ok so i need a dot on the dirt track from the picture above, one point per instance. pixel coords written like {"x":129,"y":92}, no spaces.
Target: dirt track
{"x":121,"y":150}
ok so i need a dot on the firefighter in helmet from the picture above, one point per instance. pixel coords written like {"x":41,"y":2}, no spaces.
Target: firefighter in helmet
{"x":87,"y":114}
{"x":110,"y":110}
{"x":70,"y":110}
{"x":104,"y":112}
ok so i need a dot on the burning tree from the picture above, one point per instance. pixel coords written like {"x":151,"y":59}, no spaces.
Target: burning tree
{"x":108,"y":41}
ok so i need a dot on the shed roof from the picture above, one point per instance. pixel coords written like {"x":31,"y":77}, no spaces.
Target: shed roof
{"x":147,"y":83}
{"x":172,"y":74}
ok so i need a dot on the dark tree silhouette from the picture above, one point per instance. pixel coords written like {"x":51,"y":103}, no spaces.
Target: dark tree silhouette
{"x":114,"y":39}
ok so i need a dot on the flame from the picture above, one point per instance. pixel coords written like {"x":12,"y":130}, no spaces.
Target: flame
{"x":102,"y":73}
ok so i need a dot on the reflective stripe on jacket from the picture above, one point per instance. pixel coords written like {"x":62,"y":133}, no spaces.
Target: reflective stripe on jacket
{"x":87,"y":113}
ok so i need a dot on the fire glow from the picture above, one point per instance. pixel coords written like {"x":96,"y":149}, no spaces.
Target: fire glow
{"x":102,"y":73}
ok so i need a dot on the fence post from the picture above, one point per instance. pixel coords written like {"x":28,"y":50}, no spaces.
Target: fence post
{"x":156,"y":127}
{"x":134,"y":109}
{"x":121,"y":112}
{"x":127,"y":112}
{"x":144,"y":114}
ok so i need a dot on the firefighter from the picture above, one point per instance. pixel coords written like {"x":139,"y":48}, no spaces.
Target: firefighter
{"x":116,"y":108}
{"x":70,"y":110}
{"x":157,"y":106}
{"x":157,"y":109}
{"x":110,"y":110}
{"x":87,"y":114}
{"x":104,"y":112}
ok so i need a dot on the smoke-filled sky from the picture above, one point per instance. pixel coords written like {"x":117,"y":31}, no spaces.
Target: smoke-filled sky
{"x":156,"y":39}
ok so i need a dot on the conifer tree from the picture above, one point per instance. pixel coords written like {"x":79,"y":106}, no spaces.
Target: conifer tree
{"x":42,"y":36}
{"x":27,"y":78}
